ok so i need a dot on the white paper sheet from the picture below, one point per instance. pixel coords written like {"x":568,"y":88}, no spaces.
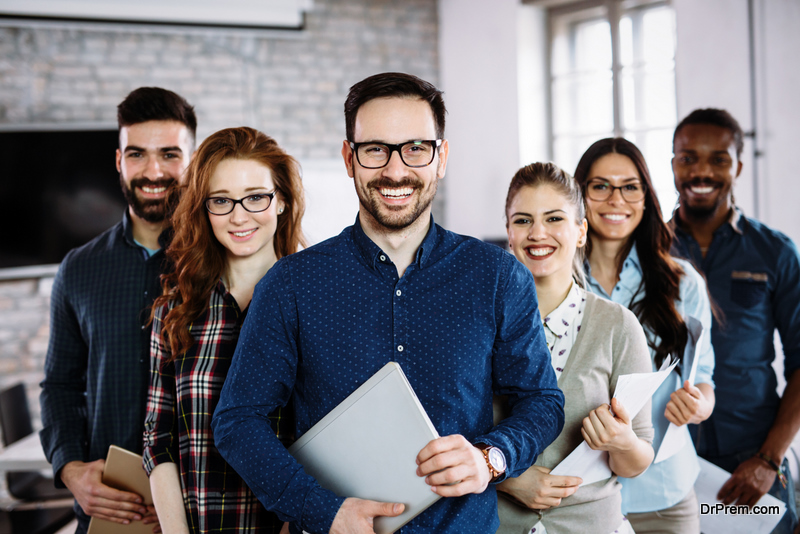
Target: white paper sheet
{"x":676,"y":437}
{"x":708,"y":484}
{"x":633,"y":391}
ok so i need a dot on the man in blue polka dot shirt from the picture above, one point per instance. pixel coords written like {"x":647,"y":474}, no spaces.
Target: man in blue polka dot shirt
{"x":460,"y":317}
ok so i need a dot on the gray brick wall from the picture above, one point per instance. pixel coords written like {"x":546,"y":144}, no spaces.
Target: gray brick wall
{"x":291,"y":85}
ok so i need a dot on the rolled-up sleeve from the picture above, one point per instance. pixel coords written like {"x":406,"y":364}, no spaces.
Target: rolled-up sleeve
{"x":697,"y":304}
{"x":160,"y":426}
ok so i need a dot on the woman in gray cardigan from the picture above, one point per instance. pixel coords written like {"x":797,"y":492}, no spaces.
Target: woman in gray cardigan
{"x":592,"y":341}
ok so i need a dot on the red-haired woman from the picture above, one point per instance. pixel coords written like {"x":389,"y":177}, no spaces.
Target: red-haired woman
{"x":239,"y":213}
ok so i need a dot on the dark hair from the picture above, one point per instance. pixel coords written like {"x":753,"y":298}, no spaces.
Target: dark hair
{"x":197,"y":256}
{"x":537,"y":174}
{"x":393,"y":84}
{"x":661,"y":274}
{"x":714,"y":117}
{"x":156,"y":104}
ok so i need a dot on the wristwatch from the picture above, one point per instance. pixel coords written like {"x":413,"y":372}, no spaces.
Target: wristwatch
{"x":495,"y":460}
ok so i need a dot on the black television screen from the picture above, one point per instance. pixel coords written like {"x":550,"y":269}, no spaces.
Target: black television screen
{"x":59,"y":190}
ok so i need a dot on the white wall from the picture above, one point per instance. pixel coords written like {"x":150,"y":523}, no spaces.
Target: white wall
{"x":712,"y":70}
{"x":478,"y":73}
{"x":779,"y":115}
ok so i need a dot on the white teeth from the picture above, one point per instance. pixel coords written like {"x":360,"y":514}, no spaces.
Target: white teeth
{"x":615,"y":217}
{"x":396,"y":192}
{"x":153,"y":190}
{"x":540,"y":251}
{"x":243,"y":234}
{"x":702,"y":190}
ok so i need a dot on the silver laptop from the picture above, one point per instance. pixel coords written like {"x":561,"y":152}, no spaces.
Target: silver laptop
{"x":367,"y":447}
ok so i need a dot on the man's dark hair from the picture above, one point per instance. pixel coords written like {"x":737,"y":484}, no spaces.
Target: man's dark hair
{"x":156,"y":104}
{"x":393,"y":84}
{"x":714,"y":117}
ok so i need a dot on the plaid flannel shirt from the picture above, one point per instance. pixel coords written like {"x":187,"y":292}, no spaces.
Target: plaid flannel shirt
{"x":182,"y":397}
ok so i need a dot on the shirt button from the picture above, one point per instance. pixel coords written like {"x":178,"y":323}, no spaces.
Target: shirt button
{"x":399,"y":348}
{"x":383,"y":258}
{"x":398,"y":292}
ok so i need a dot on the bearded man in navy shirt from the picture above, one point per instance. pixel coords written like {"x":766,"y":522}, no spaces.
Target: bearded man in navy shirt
{"x":460,"y":317}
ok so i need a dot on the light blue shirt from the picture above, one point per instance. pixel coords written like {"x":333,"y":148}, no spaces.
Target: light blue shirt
{"x":666,"y":483}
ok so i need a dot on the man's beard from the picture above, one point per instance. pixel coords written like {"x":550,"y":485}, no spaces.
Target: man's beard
{"x":393,"y":218}
{"x":702,"y":212}
{"x":154,"y":210}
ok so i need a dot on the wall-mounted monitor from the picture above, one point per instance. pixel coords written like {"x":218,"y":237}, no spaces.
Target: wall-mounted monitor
{"x":59,"y":189}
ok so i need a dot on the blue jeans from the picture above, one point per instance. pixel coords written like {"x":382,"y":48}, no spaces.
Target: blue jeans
{"x":786,"y":495}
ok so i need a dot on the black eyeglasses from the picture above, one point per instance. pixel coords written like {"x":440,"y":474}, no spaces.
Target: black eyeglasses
{"x":413,"y":153}
{"x":251,"y":203}
{"x":600,"y":190}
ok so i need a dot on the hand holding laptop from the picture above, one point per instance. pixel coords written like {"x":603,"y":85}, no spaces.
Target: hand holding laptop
{"x":453,"y":467}
{"x":358,"y":515}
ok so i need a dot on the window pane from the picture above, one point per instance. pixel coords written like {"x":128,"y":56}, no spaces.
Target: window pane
{"x":648,"y":99}
{"x":658,"y":36}
{"x":656,"y":146}
{"x":583,"y":104}
{"x":592,"y":46}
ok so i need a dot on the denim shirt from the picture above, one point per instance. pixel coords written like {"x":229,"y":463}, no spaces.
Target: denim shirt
{"x":666,"y":483}
{"x":462,"y":322}
{"x":753,"y":275}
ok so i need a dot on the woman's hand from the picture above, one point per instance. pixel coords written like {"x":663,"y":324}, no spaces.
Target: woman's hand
{"x":608,"y":428}
{"x":539,"y":490}
{"x":690,"y":404}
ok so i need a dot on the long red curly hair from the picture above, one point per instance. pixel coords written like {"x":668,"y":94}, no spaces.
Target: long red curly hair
{"x":198,"y":259}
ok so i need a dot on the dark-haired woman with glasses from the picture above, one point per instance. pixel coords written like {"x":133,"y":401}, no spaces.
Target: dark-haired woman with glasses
{"x":239,"y":213}
{"x":628,"y":262}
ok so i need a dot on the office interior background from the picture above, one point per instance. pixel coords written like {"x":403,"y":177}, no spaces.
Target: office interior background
{"x":524,"y":81}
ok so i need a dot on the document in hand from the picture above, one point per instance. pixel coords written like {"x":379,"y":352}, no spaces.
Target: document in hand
{"x":367,"y":447}
{"x":677,"y":436}
{"x":124,"y":471}
{"x":715,"y":518}
{"x":633,"y":391}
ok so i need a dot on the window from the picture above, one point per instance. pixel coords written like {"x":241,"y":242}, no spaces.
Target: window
{"x":612,"y":73}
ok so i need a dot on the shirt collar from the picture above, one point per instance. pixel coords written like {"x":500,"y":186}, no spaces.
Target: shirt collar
{"x":372,"y":253}
{"x":127,"y":231}
{"x":559,"y":320}
{"x":735,"y":220}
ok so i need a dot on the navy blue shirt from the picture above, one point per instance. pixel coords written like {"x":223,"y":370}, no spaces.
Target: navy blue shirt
{"x":753,"y":275}
{"x":462,"y":322}
{"x":98,"y":358}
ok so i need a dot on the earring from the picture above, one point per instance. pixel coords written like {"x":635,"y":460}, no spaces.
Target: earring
{"x":280,"y":210}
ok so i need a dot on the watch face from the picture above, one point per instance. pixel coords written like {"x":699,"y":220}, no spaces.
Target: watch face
{"x":497,"y":459}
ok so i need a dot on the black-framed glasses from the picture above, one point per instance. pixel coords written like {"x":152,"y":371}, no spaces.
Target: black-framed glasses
{"x":251,"y":203}
{"x":413,"y":153}
{"x":600,"y":190}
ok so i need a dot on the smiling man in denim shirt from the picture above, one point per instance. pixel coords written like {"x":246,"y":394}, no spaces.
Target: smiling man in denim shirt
{"x":460,"y":316}
{"x":753,"y":275}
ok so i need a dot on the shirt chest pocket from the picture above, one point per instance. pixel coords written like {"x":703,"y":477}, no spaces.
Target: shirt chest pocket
{"x":748,"y":289}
